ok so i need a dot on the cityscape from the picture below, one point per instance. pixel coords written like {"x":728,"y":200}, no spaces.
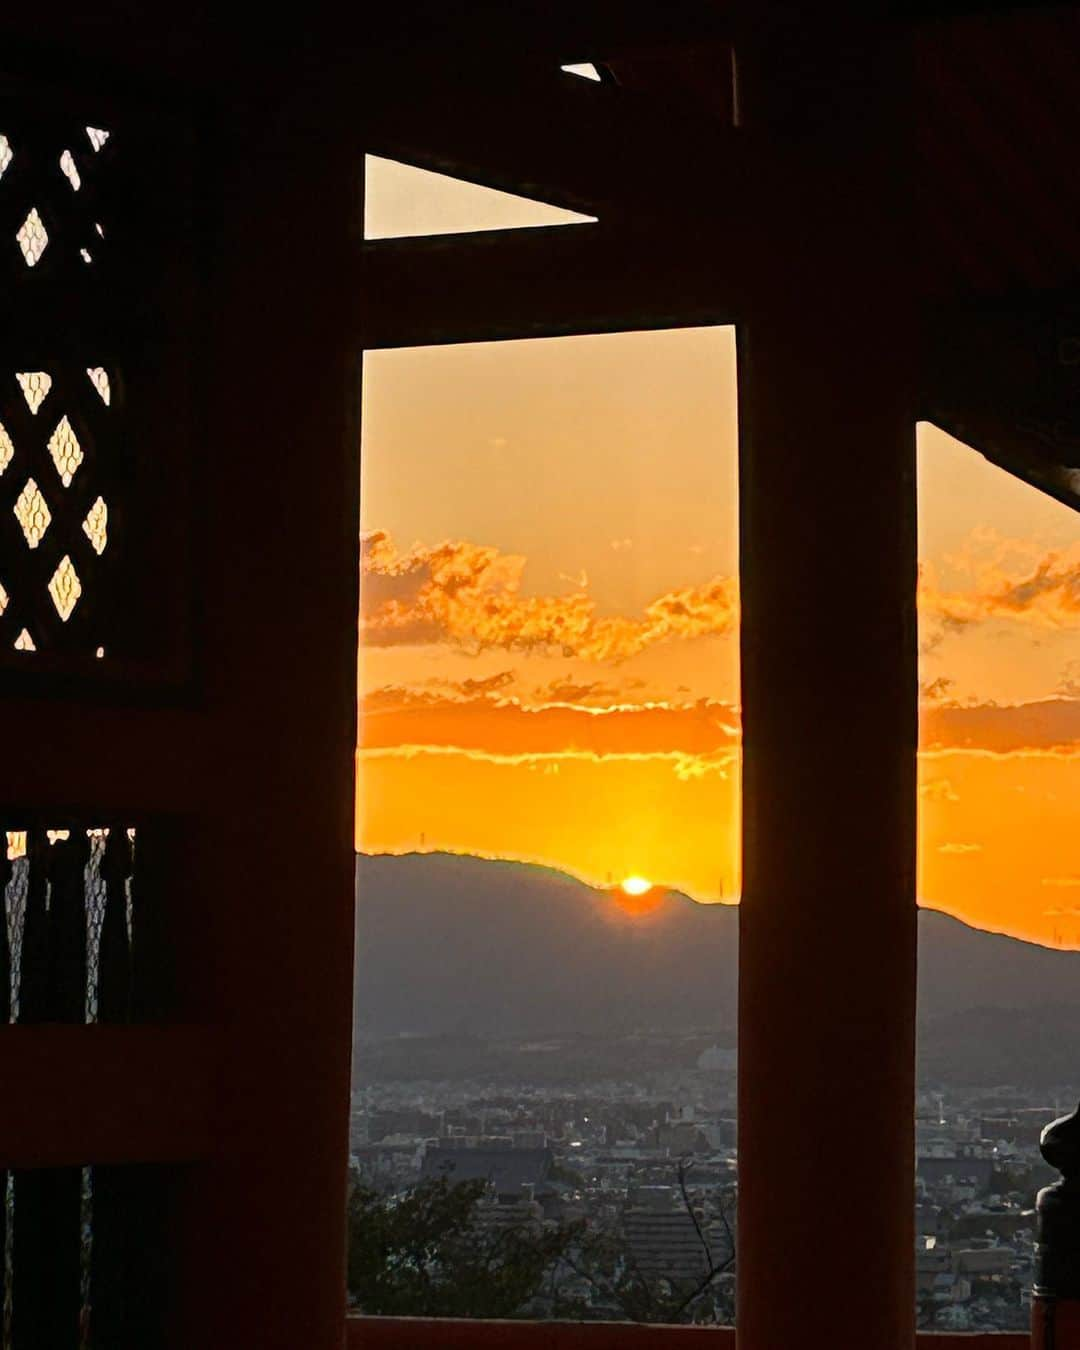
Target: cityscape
{"x":614,"y":1154}
{"x":610,"y":1155}
{"x":548,"y":828}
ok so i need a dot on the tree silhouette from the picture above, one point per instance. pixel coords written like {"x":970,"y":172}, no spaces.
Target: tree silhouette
{"x":433,"y":1251}
{"x":428,"y":1253}
{"x":604,"y":1260}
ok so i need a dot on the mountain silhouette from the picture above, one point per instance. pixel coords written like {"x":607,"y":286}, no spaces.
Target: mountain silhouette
{"x":452,"y":944}
{"x":449,"y":943}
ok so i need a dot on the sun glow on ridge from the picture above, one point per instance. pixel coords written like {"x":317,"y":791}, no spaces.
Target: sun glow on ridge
{"x":636,"y":885}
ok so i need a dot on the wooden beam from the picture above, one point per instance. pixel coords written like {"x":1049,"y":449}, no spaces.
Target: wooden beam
{"x":541,"y":30}
{"x":996,"y":376}
{"x":105,"y":1094}
{"x":411,"y":1333}
{"x":1002,"y":377}
{"x":596,"y":148}
{"x":972,"y":1340}
{"x":208,"y":44}
{"x":541,"y":282}
{"x":156,"y":772}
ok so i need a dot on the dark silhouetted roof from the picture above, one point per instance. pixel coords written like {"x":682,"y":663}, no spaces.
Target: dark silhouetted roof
{"x":507,"y":1169}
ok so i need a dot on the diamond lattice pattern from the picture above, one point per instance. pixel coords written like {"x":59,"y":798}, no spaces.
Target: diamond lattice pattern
{"x":70,"y":170}
{"x":35,"y":385}
{"x":32,"y":237}
{"x":66,"y":451}
{"x":33,"y":514}
{"x":95,"y":526}
{"x":59,"y":476}
{"x":54,"y":501}
{"x":65,"y":588}
{"x":99,"y":378}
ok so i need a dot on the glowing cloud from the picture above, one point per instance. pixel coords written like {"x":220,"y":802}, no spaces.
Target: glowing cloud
{"x":1007,"y":578}
{"x":470,"y":596}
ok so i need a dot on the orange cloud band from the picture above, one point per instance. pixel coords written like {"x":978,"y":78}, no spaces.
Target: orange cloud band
{"x":470,"y":596}
{"x":1052,"y":724}
{"x":497,"y":725}
{"x":1006,"y":583}
{"x":392,"y":717}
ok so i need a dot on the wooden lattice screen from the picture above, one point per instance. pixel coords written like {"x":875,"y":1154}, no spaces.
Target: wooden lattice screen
{"x":84,"y":1258}
{"x":81,"y":1248}
{"x":84,"y":938}
{"x":62,"y":494}
{"x":95,"y":428}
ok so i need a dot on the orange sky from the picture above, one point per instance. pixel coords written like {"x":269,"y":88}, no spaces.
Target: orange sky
{"x":549,"y":653}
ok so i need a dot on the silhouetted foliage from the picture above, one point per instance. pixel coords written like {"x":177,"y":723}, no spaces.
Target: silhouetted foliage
{"x":603,"y":1260}
{"x":429,"y":1253}
{"x":438,"y":1250}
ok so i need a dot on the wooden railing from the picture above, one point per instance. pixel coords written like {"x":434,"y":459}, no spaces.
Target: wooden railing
{"x":415,"y":1333}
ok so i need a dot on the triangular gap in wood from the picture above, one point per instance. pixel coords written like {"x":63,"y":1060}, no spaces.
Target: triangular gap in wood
{"x":585,"y":69}
{"x":402,"y":200}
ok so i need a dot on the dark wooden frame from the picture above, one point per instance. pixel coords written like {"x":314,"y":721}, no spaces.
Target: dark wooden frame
{"x":604,"y":285}
{"x":259,"y":764}
{"x":803,"y":357}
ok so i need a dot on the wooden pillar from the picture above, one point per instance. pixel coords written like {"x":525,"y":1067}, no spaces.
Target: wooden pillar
{"x":265,"y":1251}
{"x":828,"y":557}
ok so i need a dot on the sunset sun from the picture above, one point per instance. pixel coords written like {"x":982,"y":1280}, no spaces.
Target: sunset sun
{"x":636,"y":885}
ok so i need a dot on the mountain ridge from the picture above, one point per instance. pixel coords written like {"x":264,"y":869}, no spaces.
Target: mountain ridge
{"x":451,"y":943}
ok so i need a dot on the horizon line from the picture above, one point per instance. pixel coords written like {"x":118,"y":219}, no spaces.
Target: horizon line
{"x":670,"y":890}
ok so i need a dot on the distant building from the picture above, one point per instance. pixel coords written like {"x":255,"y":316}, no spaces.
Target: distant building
{"x":721,"y":1133}
{"x":682,"y":1137}
{"x":931,"y":1262}
{"x":504,"y":1213}
{"x":982,"y":1260}
{"x":532,"y":1139}
{"x":951,"y":1289}
{"x":718,"y":1059}
{"x":975,"y":1173}
{"x":929,"y":1220}
{"x":664,"y":1244}
{"x":506,"y":1170}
